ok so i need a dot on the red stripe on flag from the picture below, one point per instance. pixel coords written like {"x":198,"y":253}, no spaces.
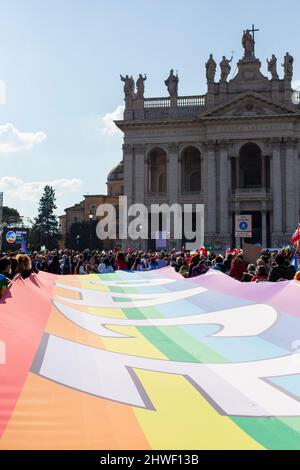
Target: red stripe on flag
{"x":24,"y":312}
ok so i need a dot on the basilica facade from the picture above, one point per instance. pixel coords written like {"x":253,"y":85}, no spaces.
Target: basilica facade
{"x":234,"y":149}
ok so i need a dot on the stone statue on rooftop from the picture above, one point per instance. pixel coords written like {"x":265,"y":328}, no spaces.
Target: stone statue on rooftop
{"x":211,"y":68}
{"x":272,"y":67}
{"x":288,"y":67}
{"x":225,"y":68}
{"x":172,"y":84}
{"x":140,"y":86}
{"x":248,"y":44}
{"x":128,"y":86}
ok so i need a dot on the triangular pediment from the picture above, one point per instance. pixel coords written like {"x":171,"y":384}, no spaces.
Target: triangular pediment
{"x":249,"y":104}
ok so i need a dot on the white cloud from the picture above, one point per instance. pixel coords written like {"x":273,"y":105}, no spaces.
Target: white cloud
{"x":12,"y":140}
{"x":108,"y":126}
{"x":16,"y":188}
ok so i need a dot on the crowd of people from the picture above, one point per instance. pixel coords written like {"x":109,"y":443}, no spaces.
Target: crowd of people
{"x":271,"y":266}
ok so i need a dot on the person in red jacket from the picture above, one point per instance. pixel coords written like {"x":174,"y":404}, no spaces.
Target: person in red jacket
{"x":121,"y":261}
{"x":261,"y":274}
{"x":238,"y":268}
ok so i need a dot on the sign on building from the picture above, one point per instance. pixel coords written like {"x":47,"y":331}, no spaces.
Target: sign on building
{"x":243,"y":226}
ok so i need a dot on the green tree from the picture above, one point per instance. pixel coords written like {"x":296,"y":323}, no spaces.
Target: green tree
{"x":83,"y":235}
{"x":11,"y":216}
{"x":45,"y":231}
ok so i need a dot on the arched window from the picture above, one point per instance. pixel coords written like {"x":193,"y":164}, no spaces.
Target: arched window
{"x":162,"y":183}
{"x":250,"y":166}
{"x":157,"y":171}
{"x":191,"y":170}
{"x":195,"y":181}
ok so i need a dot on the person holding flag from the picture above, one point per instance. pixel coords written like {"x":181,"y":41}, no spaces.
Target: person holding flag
{"x":295,"y":261}
{"x":296,"y":237}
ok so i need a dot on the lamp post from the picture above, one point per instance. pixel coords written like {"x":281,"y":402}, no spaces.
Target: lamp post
{"x":78,"y":241}
{"x":140,"y":227}
{"x":91,"y":217}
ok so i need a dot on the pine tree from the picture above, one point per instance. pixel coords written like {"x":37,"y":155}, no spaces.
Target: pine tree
{"x":11,"y":216}
{"x":45,"y":230}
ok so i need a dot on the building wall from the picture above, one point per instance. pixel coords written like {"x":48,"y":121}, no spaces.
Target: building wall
{"x":250,"y":108}
{"x":81,"y":212}
{"x":280,"y":199}
{"x":115,"y":188}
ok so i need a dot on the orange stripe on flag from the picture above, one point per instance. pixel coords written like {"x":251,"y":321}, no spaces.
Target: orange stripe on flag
{"x":27,"y":321}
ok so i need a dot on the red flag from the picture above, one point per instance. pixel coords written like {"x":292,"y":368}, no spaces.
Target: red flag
{"x":296,"y":236}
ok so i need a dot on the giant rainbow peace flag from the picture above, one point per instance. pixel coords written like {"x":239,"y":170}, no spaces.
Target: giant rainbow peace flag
{"x":149,"y":361}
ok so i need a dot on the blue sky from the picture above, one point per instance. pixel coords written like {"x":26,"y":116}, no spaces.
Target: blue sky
{"x":61,"y":60}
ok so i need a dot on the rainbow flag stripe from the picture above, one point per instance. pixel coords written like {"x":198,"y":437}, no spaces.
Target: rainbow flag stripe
{"x":149,"y":361}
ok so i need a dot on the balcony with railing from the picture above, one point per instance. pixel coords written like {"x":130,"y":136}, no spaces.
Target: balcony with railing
{"x":180,"y":102}
{"x":252,"y":193}
{"x":165,"y":107}
{"x":150,"y":103}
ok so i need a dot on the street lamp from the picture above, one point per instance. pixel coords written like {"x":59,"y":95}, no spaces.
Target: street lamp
{"x":78,"y":241}
{"x":91,"y":217}
{"x":140,"y":227}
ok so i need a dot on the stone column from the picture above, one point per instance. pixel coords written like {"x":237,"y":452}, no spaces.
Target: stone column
{"x":203,"y":174}
{"x":211,"y":208}
{"x":237,"y":173}
{"x":210,"y":97}
{"x":224,"y":190}
{"x":237,"y":211}
{"x":291,"y":187}
{"x":263,"y":172}
{"x":229,"y":175}
{"x":173,"y":106}
{"x":173,"y":172}
{"x":128,"y":187}
{"x":139,"y":108}
{"x":173,"y":185}
{"x":128,"y":112}
{"x":139,"y":176}
{"x":264,"y":228}
{"x":128,"y":172}
{"x":140,"y":181}
{"x":288,"y":91}
{"x":275,"y":89}
{"x":277,"y":187}
{"x":223,"y":91}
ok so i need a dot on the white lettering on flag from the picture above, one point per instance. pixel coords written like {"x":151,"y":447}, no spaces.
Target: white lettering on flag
{"x":240,"y":389}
